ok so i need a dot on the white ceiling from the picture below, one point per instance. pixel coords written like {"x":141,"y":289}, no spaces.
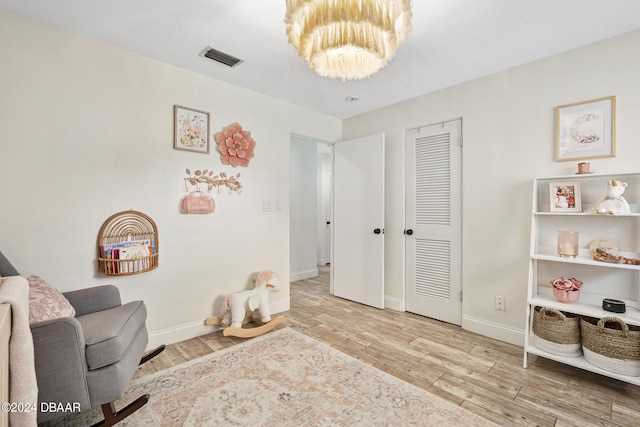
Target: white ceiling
{"x":451,"y":41}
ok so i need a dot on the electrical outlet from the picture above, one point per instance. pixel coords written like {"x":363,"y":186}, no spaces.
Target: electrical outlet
{"x":500,"y":303}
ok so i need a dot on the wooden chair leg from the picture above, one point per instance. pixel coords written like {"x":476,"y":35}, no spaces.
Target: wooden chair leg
{"x":112,"y":417}
{"x":153,"y":353}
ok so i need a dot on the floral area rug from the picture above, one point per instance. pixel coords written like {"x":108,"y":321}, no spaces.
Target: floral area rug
{"x":285,"y":378}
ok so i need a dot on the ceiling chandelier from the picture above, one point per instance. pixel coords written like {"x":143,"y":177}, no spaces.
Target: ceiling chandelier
{"x":347,"y":39}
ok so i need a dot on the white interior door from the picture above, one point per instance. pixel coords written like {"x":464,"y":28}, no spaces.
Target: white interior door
{"x":433,"y":234}
{"x":358,"y":220}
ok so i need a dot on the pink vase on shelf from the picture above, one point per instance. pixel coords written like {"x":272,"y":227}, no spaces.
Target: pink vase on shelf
{"x":568,"y":244}
{"x":566,"y":296}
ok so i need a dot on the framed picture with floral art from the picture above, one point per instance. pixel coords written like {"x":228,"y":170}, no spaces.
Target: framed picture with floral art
{"x":586,"y":130}
{"x":565,"y":197}
{"x":190,"y":129}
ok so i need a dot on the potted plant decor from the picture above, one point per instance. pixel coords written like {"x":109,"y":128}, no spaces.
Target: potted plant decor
{"x":566,"y":290}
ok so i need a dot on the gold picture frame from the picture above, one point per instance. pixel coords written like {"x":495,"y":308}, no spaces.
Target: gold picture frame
{"x":586,"y":130}
{"x":190,"y":129}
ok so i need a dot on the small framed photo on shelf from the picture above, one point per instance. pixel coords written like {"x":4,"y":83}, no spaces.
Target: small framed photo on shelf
{"x":190,"y":129}
{"x":565,"y":197}
{"x":586,"y":130}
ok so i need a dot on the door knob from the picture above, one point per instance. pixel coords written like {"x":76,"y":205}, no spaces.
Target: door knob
{"x":376,"y":231}
{"x":408,"y":232}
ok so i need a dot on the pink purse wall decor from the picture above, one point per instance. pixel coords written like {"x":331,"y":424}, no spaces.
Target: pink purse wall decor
{"x":199,"y":202}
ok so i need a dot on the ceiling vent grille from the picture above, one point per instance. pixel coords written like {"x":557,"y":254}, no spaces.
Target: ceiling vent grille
{"x":221,"y":57}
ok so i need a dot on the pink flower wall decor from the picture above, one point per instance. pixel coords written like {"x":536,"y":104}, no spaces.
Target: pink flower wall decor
{"x":235,"y":145}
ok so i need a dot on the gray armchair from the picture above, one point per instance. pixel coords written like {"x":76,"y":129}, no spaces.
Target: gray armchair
{"x":89,"y":360}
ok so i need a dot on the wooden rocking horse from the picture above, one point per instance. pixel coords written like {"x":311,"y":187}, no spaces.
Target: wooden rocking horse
{"x":233,"y":313}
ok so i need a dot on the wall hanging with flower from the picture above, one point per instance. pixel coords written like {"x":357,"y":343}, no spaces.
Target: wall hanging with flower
{"x":236,"y":146}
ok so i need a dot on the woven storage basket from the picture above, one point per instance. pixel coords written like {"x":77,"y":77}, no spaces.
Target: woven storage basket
{"x":615,"y":349}
{"x":556,"y":332}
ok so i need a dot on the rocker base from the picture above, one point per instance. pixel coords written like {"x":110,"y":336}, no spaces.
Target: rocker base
{"x":248,"y":332}
{"x":112,"y":417}
{"x":153,"y":353}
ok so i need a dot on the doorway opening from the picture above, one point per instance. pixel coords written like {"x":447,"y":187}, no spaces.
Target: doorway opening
{"x":337,"y":214}
{"x":311,"y":198}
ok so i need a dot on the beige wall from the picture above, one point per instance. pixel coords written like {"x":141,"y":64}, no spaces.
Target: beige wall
{"x":509,"y":137}
{"x":86,"y":130}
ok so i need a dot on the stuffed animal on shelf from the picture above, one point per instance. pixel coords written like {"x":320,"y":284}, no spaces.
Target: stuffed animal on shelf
{"x":613,"y":203}
{"x":243,"y":307}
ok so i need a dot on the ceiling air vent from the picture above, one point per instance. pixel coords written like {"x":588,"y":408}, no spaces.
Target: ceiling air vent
{"x":220,"y":57}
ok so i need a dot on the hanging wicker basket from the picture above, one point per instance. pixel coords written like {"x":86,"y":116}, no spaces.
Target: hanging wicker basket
{"x":615,"y":348}
{"x":124,"y":231}
{"x":556,"y":332}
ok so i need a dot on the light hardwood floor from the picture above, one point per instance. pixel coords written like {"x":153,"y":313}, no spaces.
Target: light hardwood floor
{"x":483,"y":375}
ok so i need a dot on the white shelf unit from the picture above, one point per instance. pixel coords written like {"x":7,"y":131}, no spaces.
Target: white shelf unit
{"x":601,"y":279}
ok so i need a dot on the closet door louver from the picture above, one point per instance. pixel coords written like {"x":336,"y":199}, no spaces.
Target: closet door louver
{"x":433,"y":207}
{"x":432,"y":182}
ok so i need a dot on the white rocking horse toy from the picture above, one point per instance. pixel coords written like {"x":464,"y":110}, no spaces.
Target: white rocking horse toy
{"x":256,"y":301}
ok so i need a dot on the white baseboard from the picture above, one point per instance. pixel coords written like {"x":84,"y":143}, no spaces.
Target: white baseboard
{"x":179,"y":333}
{"x":305,"y":274}
{"x":280,"y":306}
{"x":195,"y":329}
{"x":497,"y":331}
{"x":393,"y":303}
